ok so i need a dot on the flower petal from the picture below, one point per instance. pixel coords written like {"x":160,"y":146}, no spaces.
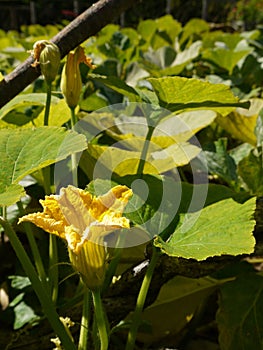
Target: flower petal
{"x":81,"y":57}
{"x":114,"y":200}
{"x":51,"y":219}
{"x":46,"y":223}
{"x":74,"y":210}
{"x":73,"y":237}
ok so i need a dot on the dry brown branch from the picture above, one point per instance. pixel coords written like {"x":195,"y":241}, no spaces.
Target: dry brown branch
{"x":84,"y":26}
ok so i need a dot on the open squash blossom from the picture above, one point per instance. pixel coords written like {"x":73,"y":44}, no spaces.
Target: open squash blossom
{"x":47,"y":55}
{"x":71,"y":83}
{"x":83,"y":221}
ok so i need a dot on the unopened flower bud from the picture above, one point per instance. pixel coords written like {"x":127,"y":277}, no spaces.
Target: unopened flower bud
{"x":47,"y":55}
{"x":71,"y":83}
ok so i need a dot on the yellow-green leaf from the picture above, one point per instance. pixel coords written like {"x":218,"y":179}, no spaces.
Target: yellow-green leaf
{"x":224,"y":58}
{"x":59,"y":114}
{"x":181,"y":94}
{"x":241,"y":123}
{"x":125,"y":162}
{"x":11,"y":194}
{"x":24,"y":150}
{"x":222,"y":228}
{"x":20,"y":103}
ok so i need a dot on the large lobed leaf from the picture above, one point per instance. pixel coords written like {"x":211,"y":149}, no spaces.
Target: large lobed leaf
{"x":125,"y":162}
{"x":23,"y":151}
{"x":15,"y":111}
{"x":221,"y":228}
{"x":175,"y":306}
{"x":241,"y":123}
{"x":118,"y":85}
{"x":180,"y":94}
{"x":225,"y":58}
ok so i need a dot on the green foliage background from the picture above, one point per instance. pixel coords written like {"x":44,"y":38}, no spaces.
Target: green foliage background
{"x":187,"y":68}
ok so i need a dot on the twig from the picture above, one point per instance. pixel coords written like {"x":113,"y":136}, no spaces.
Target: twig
{"x":85,"y":25}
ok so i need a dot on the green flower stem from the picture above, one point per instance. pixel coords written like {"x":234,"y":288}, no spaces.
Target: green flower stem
{"x":136,"y":320}
{"x":145,"y":150}
{"x":53,"y":267}
{"x":46,"y":171}
{"x":85,"y":320}
{"x":34,"y":248}
{"x":100,"y":319}
{"x":74,"y":162}
{"x":53,"y":254}
{"x":39,"y":288}
{"x":3,"y":212}
{"x":48,"y":103}
{"x":74,"y":118}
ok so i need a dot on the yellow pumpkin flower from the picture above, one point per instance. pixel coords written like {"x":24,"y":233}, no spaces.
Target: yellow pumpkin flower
{"x":71,"y":83}
{"x":47,"y":55}
{"x":83,"y":221}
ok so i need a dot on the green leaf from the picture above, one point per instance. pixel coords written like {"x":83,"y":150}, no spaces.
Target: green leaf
{"x":93,"y":102}
{"x":17,"y":108}
{"x":162,"y":58}
{"x":240,"y":152}
{"x":183,"y":58}
{"x":5,"y":42}
{"x":19,"y":282}
{"x":109,"y":68}
{"x":147,"y":29}
{"x":174,"y":307}
{"x":240,"y":316}
{"x":226,"y":59}
{"x":171,"y":128}
{"x":158,"y":200}
{"x":170,"y":26}
{"x":181,"y":94}
{"x":251,"y":171}
{"x":147,"y":211}
{"x":221,"y":228}
{"x":176,"y":155}
{"x":12,"y":211}
{"x":166,"y":199}
{"x":119,"y":86}
{"x":194,"y":27}
{"x":221,"y":163}
{"x":24,"y":151}
{"x":183,"y":126}
{"x":106,"y":33}
{"x":226,"y":40}
{"x":24,"y":314}
{"x":241,"y":123}
{"x":135,"y":73}
{"x":18,"y":52}
{"x":10,"y":194}
{"x":59,"y":114}
{"x":125,"y":162}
